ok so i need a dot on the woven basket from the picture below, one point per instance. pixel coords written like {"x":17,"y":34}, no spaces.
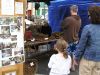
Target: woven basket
{"x":30,"y":67}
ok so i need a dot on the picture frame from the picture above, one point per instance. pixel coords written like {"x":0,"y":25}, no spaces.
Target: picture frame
{"x":11,"y":72}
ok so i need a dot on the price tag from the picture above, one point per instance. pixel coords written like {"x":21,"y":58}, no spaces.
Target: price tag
{"x":45,"y":38}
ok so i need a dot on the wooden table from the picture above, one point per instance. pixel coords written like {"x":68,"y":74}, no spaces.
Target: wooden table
{"x":48,"y":46}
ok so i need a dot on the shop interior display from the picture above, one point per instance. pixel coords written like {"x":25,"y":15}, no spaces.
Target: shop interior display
{"x":38,"y":37}
{"x":39,"y":29}
{"x":55,"y":35}
{"x":12,"y":55}
{"x":38,"y":41}
{"x":11,"y":47}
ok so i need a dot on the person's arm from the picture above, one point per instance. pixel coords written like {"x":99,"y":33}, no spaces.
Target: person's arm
{"x":51,"y":61}
{"x":82,"y":43}
{"x":70,"y":61}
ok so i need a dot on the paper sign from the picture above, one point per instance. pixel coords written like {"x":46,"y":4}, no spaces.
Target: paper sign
{"x":18,"y":7}
{"x":7,"y":7}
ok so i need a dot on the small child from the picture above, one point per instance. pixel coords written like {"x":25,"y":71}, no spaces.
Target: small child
{"x":60,"y":63}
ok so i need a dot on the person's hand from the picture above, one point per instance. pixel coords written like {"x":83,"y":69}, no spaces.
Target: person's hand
{"x":74,"y":65}
{"x":75,"y":62}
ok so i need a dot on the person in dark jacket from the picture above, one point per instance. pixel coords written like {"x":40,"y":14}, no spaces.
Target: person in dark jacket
{"x":46,"y":29}
{"x":71,"y":25}
{"x":88,"y":49}
{"x":70,"y":28}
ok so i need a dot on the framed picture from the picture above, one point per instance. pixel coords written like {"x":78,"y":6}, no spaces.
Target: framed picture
{"x":19,"y":59}
{"x":5,"y":29}
{"x":6,"y":53}
{"x":14,"y":45}
{"x":13,"y":37}
{"x":6,"y":20}
{"x":6,"y":62}
{"x":13,"y":72}
{"x":18,"y":52}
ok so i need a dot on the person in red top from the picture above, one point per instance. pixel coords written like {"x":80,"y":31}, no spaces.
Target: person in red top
{"x":28,"y":34}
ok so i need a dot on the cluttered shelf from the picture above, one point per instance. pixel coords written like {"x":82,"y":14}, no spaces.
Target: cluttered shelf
{"x":37,"y":48}
{"x":38,"y":42}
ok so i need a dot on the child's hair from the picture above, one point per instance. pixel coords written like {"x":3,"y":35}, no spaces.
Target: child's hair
{"x":61,"y":46}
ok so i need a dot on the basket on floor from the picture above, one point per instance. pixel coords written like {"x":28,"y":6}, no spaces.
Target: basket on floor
{"x":30,"y":67}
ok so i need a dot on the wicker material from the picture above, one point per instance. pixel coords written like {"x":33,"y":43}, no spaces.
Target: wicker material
{"x":30,"y":67}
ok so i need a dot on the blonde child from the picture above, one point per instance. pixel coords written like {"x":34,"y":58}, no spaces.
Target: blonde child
{"x":60,"y":63}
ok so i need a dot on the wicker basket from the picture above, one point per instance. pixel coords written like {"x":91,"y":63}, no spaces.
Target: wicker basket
{"x":30,"y":67}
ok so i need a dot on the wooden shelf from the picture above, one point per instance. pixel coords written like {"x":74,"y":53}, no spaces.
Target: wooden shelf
{"x":39,"y":42}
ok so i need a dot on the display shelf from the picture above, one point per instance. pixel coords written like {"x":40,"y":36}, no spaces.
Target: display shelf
{"x":39,"y":42}
{"x":40,"y":48}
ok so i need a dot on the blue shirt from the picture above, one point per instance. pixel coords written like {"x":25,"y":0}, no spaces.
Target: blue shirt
{"x":89,"y":44}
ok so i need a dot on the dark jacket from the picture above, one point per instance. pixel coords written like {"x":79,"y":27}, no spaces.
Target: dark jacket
{"x":70,"y":28}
